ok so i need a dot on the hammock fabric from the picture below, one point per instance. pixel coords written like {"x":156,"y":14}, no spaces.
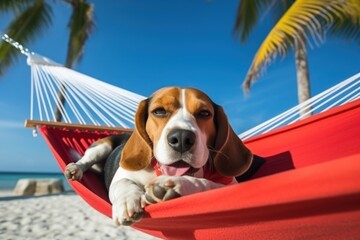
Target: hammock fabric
{"x":308,"y":187}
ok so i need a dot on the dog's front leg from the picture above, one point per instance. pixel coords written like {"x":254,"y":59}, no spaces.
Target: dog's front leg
{"x":127,"y":205}
{"x":164,"y":188}
{"x":95,"y":154}
{"x":126,"y":194}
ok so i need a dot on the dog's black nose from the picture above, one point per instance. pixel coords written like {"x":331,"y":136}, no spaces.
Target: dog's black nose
{"x":181,"y":140}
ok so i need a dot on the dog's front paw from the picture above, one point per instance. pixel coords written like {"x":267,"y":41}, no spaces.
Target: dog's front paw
{"x":73,"y":172}
{"x":127,"y":203}
{"x":162,"y":188}
{"x":127,"y":212}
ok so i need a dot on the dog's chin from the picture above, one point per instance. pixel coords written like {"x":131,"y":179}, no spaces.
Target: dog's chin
{"x":179,"y":168}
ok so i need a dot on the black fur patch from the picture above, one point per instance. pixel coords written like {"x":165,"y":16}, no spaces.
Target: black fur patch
{"x":112,"y":162}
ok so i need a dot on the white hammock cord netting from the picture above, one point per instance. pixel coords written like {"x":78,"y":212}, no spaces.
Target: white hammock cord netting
{"x":344,"y":92}
{"x":93,"y":102}
{"x":88,"y":101}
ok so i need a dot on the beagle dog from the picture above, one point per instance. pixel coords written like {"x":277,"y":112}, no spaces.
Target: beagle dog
{"x":182,"y":144}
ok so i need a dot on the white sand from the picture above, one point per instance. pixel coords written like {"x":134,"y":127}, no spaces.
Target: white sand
{"x":64,"y":216}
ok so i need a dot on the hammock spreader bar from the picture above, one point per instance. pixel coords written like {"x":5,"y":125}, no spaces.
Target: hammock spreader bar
{"x":308,"y":187}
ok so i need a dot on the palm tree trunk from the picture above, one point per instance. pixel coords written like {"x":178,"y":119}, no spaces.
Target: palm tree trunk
{"x":60,"y":105}
{"x":302,"y":69}
{"x":61,"y":94}
{"x":80,"y":25}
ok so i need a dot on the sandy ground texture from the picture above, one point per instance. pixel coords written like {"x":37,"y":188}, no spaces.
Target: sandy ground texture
{"x":64,"y":216}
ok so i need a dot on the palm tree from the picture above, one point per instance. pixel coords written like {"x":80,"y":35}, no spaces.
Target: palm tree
{"x":81,"y":23}
{"x":297,"y":21}
{"x":31,"y":18}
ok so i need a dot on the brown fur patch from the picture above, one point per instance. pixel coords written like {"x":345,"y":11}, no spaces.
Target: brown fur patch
{"x":106,"y":140}
{"x":168,"y":99}
{"x":197,"y":101}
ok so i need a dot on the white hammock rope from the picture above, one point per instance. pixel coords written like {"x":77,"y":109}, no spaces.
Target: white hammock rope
{"x":88,"y":101}
{"x":344,"y":92}
{"x":93,"y":102}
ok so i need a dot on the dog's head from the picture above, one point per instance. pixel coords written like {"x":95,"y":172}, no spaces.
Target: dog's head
{"x":183,"y":129}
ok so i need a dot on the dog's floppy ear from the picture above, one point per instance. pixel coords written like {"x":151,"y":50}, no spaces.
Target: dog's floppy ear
{"x":137,"y":152}
{"x":231,"y":158}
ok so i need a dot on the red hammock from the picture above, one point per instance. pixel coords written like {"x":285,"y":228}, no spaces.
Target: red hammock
{"x":308,"y":187}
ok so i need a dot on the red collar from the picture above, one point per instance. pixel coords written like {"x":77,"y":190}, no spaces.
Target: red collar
{"x":155,"y":165}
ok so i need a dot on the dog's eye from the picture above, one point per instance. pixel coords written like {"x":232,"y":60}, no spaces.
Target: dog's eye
{"x":160,"y":112}
{"x":204,"y":114}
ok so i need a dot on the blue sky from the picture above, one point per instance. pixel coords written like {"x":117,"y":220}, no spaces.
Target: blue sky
{"x":143,"y":45}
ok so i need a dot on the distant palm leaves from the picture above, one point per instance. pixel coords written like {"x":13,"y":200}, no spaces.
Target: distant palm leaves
{"x":300,"y":20}
{"x":80,"y":25}
{"x":31,"y":18}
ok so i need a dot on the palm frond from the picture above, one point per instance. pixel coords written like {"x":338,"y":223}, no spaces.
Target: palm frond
{"x":248,"y":16}
{"x":279,"y":7}
{"x":24,"y":28}
{"x":81,"y":25}
{"x":348,"y":26}
{"x":309,"y":17}
{"x":346,"y":29}
{"x":14,"y":5}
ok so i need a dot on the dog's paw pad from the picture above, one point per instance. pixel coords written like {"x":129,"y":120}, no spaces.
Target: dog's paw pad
{"x":73,"y":172}
{"x":161,"y":191}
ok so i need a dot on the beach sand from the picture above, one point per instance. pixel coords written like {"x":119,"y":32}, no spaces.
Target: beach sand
{"x":63,"y":216}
